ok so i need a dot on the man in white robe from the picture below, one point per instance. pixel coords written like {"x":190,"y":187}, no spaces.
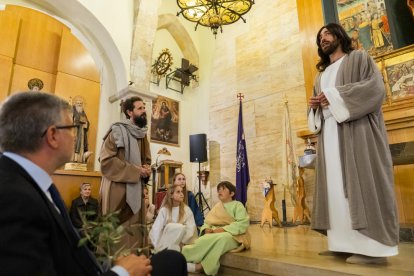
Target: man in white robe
{"x":354,"y":200}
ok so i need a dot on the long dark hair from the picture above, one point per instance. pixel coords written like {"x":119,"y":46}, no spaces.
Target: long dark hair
{"x":344,"y":40}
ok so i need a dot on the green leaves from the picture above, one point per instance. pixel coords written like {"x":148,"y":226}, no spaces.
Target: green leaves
{"x":105,"y":236}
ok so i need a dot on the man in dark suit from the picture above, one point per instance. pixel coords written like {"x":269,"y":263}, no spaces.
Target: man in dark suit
{"x":36,"y":236}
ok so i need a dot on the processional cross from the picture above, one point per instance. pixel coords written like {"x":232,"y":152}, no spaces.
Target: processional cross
{"x":240,"y":96}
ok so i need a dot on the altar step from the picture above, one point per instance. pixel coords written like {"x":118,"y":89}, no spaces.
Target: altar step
{"x":294,"y":251}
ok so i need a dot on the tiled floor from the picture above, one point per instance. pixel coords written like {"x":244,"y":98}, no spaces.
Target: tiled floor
{"x":294,"y":251}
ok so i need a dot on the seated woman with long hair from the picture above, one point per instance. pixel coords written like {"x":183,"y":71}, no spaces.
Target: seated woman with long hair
{"x":189,"y":198}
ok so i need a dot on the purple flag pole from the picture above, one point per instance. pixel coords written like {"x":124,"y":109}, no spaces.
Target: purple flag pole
{"x":242,"y":165}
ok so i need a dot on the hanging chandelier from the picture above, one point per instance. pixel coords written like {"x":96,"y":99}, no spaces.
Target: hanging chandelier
{"x":214,"y":13}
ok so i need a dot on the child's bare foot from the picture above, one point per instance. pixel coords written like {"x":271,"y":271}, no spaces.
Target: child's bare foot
{"x":198,"y":268}
{"x":194,"y":268}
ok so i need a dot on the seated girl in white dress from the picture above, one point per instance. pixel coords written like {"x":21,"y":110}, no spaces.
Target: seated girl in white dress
{"x":174,"y":224}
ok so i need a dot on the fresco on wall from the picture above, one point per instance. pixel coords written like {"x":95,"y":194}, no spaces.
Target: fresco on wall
{"x":366,"y":22}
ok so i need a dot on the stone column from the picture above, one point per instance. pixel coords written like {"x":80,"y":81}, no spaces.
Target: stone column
{"x":146,"y":22}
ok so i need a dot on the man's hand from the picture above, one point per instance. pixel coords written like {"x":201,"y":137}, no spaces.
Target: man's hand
{"x":323,"y":100}
{"x":314,"y":102}
{"x":145,"y":171}
{"x":208,"y":231}
{"x":135,"y":265}
{"x":320,"y":100}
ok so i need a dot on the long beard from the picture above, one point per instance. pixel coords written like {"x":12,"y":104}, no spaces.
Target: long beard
{"x":141,"y":121}
{"x":331,"y":47}
{"x":79,"y":109}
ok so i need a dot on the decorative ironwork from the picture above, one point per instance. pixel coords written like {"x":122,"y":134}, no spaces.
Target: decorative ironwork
{"x":214,"y":13}
{"x":162,"y":65}
{"x":182,"y":75}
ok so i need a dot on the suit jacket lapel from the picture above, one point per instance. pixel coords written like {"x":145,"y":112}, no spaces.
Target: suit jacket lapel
{"x":57,"y":217}
{"x":72,"y":240}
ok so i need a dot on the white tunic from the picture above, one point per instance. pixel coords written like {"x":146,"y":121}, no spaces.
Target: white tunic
{"x":341,"y":236}
{"x":169,"y":235}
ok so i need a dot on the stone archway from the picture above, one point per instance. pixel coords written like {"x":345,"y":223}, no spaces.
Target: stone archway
{"x":181,"y":36}
{"x":96,"y":39}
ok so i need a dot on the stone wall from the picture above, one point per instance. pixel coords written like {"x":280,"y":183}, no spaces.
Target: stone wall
{"x":261,"y":59}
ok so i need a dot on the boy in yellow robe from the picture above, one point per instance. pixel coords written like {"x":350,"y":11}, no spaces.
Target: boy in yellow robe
{"x":224,"y":230}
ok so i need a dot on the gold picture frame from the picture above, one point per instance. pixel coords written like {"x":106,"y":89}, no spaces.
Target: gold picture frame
{"x":165,"y":117}
{"x":397,"y":69}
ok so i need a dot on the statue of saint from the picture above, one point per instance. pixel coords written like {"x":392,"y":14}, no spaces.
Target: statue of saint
{"x":81,"y":152}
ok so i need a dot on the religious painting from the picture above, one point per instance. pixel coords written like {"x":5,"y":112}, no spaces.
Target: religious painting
{"x":366,"y":22}
{"x":165,"y":121}
{"x":399,"y":72}
{"x":387,"y":98}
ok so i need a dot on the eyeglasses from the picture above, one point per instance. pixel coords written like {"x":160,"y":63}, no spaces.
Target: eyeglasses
{"x":61,"y":127}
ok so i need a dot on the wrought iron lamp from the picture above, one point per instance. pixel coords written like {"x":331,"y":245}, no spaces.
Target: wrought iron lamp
{"x":214,"y":13}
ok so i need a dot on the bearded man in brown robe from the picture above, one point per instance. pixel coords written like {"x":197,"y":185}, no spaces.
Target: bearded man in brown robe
{"x":354,"y":200}
{"x":125,"y":163}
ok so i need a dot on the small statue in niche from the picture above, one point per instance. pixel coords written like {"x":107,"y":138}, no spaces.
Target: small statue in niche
{"x":35,"y":84}
{"x":81,"y":153}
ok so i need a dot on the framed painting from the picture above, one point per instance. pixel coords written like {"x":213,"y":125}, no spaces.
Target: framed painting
{"x":165,"y":121}
{"x":399,"y":72}
{"x":372,"y":24}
